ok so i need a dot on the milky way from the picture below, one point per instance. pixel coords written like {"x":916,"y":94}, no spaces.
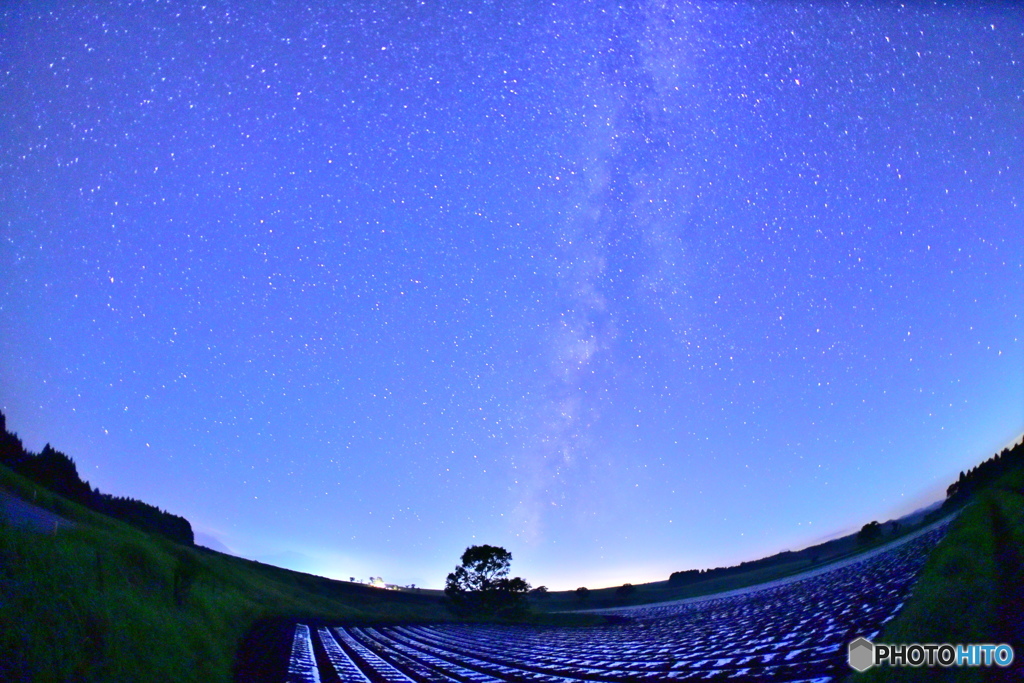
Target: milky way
{"x":625,"y":289}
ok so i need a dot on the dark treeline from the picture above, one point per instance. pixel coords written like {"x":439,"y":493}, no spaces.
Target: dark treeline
{"x":57,"y":472}
{"x":681,"y":578}
{"x":958,"y":492}
{"x":984,"y":474}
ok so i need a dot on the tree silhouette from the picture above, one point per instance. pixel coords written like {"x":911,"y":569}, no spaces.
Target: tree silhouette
{"x":481,"y":584}
{"x":984,"y":474}
{"x":57,"y":472}
{"x":625,"y":590}
{"x":871,"y":531}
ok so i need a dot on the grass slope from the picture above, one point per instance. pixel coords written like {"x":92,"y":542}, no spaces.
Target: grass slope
{"x":103,"y":601}
{"x":971,"y":589}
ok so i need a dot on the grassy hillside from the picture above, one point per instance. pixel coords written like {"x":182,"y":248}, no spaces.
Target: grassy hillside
{"x":103,"y":601}
{"x":971,"y":590}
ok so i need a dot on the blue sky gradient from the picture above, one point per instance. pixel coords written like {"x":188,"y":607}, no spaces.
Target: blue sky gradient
{"x":625,"y":289}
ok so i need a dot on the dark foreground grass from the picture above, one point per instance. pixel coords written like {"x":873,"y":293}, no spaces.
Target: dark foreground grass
{"x":102,"y":601}
{"x":971,"y":590}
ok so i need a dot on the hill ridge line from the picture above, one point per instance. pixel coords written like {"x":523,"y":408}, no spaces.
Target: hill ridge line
{"x":839,"y":564}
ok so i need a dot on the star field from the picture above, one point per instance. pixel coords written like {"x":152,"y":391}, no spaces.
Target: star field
{"x":625,"y":289}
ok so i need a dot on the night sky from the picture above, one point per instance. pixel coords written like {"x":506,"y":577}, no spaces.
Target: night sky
{"x":625,"y":289}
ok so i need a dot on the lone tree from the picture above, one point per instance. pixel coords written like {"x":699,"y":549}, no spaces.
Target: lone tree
{"x":481,"y":584}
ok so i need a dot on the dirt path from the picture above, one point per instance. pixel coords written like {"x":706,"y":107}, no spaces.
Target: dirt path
{"x":21,"y":513}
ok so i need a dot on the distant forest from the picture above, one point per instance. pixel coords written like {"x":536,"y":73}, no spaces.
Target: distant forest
{"x":57,"y":472}
{"x":984,"y":474}
{"x":957,"y":494}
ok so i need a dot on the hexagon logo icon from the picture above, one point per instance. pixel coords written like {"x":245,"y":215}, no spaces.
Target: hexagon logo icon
{"x":862,"y":654}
